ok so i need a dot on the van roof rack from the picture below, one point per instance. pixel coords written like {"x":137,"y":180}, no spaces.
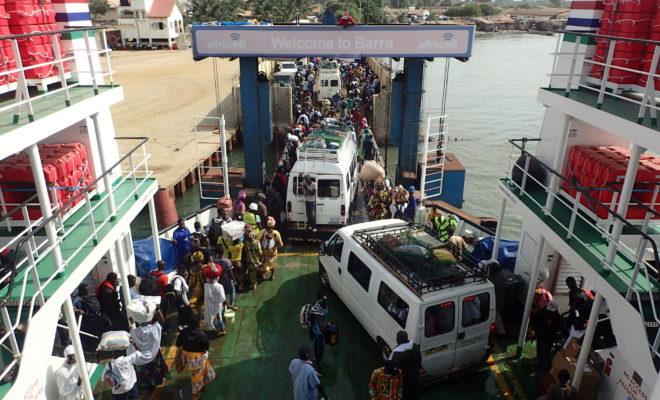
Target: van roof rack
{"x":407,"y":251}
{"x":324,"y":143}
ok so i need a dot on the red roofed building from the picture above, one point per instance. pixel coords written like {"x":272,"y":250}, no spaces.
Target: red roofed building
{"x":152,"y":22}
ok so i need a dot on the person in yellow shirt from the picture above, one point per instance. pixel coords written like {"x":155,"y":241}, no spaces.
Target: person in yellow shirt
{"x":234,"y":250}
{"x":270,"y":240}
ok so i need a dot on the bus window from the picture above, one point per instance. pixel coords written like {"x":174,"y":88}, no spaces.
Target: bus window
{"x":334,"y":83}
{"x":439,"y":319}
{"x":328,"y":188}
{"x":475,"y":309}
{"x":324,"y":82}
{"x":393,"y":304}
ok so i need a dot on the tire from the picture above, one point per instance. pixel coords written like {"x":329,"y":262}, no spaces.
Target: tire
{"x":384,"y":350}
{"x":324,"y":279}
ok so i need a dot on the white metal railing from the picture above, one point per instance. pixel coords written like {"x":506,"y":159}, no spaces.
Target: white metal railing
{"x":432,"y":157}
{"x":30,"y":248}
{"x":66,"y":61}
{"x":213,"y":179}
{"x":582,"y":64}
{"x":638,"y":290}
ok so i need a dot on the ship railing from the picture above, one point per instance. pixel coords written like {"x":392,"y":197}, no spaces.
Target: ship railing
{"x":432,"y":156}
{"x":75,"y":66}
{"x":638,"y":290}
{"x":588,"y":72}
{"x":32,"y":246}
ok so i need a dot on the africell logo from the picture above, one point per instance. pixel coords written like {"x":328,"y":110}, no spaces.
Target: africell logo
{"x":234,"y":41}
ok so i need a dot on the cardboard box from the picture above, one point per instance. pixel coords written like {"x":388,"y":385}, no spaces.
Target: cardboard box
{"x":572,"y":350}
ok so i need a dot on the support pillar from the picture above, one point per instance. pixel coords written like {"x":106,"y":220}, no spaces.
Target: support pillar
{"x":587,"y":340}
{"x":107,"y":181}
{"x":44,"y":204}
{"x":624,"y":200}
{"x":533,"y":279}
{"x":498,"y":231}
{"x":123,"y":270}
{"x":154,"y":228}
{"x":411,"y":111}
{"x":557,"y":164}
{"x":74,"y":334}
{"x":255,"y":122}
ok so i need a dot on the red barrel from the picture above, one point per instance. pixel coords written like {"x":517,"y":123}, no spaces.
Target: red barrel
{"x":632,"y":25}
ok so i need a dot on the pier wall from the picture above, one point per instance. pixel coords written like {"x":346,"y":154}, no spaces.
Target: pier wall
{"x":380,"y":125}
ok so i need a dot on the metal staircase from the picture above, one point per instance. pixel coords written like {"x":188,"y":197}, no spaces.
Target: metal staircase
{"x":211,"y":145}
{"x":432,"y":157}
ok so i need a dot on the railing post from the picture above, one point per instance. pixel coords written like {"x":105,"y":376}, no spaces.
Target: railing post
{"x":523,"y":183}
{"x":107,"y":50}
{"x":576,"y":205}
{"x":56,"y":202}
{"x":90,"y":210}
{"x":639,"y":259}
{"x":22,"y":92}
{"x":571,"y":73}
{"x":606,"y":74}
{"x":553,"y":187}
{"x":531,"y":287}
{"x":498,"y":230}
{"x":60,"y":68}
{"x":223,"y":148}
{"x":3,"y":206}
{"x":649,"y":89}
{"x":626,"y":191}
{"x":154,"y":228}
{"x":90,"y":60}
{"x":26,"y":217}
{"x":587,"y":340}
{"x":554,"y":59}
{"x":74,"y":335}
{"x":107,"y":182}
{"x":133,"y":178}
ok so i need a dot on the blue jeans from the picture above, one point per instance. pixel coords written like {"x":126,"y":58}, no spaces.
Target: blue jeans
{"x":230,"y":291}
{"x":220,"y":323}
{"x":310,"y":207}
{"x":319,"y":349}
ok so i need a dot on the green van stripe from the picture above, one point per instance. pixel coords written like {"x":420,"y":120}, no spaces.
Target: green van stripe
{"x":588,"y":40}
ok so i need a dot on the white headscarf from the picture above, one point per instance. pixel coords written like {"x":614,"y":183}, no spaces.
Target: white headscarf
{"x":69,"y":351}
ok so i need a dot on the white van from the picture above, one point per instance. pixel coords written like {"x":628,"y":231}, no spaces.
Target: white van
{"x":448,"y":309}
{"x":328,"y":156}
{"x":328,"y":82}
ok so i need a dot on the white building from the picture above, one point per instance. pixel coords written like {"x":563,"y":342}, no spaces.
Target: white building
{"x":156,"y":22}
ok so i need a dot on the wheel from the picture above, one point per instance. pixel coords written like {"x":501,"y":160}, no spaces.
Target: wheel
{"x":324,"y":280}
{"x":384,"y":349}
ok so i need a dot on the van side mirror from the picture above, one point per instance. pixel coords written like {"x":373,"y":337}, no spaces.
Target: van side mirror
{"x":322,"y":249}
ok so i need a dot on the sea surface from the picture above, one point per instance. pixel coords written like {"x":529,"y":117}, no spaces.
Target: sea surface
{"x":490,"y":99}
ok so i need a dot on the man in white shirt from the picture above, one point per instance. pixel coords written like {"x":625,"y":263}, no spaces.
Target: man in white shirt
{"x":67,"y":377}
{"x":309,"y":188}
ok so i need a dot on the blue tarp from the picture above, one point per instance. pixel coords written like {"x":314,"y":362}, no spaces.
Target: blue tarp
{"x":483,"y":250}
{"x":145,"y":260}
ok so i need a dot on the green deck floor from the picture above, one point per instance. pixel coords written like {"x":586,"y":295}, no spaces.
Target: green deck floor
{"x":44,"y":106}
{"x":74,"y":238}
{"x":251,"y":362}
{"x":594,"y":247}
{"x":612,"y":105}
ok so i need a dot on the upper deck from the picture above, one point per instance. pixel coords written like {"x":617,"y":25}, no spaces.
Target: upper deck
{"x":40,"y":99}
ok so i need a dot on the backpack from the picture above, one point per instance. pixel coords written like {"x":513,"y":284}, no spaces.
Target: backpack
{"x":111,"y":377}
{"x":149,"y":286}
{"x":304,"y":316}
{"x":268,"y":242}
{"x":215,"y":231}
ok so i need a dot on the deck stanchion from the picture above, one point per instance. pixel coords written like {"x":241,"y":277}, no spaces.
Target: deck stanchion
{"x":553,"y":187}
{"x":107,"y":183}
{"x":123,"y":271}
{"x":606,"y":75}
{"x":90,"y":60}
{"x":60,"y":69}
{"x":22,"y":93}
{"x":554,"y":58}
{"x":498,"y":230}
{"x":531,"y":287}
{"x":528,"y":159}
{"x":571,"y":73}
{"x":639,"y":260}
{"x":6,"y":322}
{"x":133,"y":178}
{"x":576,"y":205}
{"x":154,"y":228}
{"x":106,"y":51}
{"x":587,"y":339}
{"x":649,"y":90}
{"x":88,"y":203}
{"x":3,"y":206}
{"x":74,"y":334}
{"x":223,"y":147}
{"x":56,"y":203}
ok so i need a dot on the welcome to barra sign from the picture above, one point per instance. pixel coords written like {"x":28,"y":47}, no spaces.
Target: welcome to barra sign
{"x":332,"y":41}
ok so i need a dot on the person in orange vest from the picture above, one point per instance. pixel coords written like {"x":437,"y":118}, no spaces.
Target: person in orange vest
{"x":346,"y":20}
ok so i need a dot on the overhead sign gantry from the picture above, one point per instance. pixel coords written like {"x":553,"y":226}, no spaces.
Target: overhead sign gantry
{"x":415,"y":43}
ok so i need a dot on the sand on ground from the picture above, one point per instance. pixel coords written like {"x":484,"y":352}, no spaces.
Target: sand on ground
{"x":163,"y":91}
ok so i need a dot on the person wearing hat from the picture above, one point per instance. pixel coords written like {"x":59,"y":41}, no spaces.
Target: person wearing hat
{"x":309,"y":188}
{"x":69,"y":383}
{"x":251,"y":217}
{"x":409,"y":213}
{"x":181,"y":237}
{"x":270,"y":240}
{"x":253,"y":257}
{"x":150,"y":366}
{"x":386,"y":383}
